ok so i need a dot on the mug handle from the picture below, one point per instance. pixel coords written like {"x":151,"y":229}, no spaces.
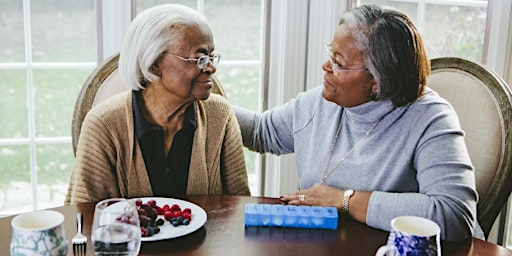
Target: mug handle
{"x":384,"y":250}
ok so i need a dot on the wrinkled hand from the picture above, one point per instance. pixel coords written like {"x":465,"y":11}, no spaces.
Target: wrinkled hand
{"x":319,"y":195}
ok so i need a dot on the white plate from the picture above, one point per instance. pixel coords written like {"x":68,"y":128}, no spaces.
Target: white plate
{"x":167,"y":230}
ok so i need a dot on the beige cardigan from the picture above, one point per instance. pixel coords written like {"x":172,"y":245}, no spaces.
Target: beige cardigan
{"x":109,"y":161}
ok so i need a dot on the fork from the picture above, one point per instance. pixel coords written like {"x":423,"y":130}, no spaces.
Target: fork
{"x":79,"y":240}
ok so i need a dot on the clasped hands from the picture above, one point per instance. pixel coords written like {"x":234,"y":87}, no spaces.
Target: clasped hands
{"x":318,"y":194}
{"x":322,"y":195}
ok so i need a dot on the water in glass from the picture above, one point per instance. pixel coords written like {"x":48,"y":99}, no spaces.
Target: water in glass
{"x":116,"y":228}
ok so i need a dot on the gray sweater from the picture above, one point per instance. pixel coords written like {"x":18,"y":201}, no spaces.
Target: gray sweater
{"x":415,"y":160}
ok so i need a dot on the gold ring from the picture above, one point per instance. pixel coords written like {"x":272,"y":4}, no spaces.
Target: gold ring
{"x":302,"y":197}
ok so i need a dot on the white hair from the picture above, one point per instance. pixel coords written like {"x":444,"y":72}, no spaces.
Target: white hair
{"x":148,"y":37}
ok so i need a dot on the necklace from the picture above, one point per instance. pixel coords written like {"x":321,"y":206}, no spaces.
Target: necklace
{"x":329,"y":171}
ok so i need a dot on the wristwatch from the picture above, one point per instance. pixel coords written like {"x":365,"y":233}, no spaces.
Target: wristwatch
{"x":346,"y":197}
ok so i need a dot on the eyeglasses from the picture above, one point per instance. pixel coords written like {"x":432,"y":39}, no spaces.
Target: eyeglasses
{"x":203,"y":61}
{"x":337,"y":67}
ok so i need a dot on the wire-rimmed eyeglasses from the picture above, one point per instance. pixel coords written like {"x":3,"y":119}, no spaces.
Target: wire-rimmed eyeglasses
{"x":203,"y":61}
{"x":337,"y":67}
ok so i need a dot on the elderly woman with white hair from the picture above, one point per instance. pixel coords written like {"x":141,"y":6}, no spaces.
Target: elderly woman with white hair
{"x":168,"y":135}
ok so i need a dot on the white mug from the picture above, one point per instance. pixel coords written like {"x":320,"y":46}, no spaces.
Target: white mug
{"x":39,"y":233}
{"x":412,"y":236}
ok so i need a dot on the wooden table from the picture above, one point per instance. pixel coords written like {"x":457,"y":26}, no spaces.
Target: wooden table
{"x":225,"y":234}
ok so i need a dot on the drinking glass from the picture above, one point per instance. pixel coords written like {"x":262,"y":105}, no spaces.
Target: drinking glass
{"x":116,"y":228}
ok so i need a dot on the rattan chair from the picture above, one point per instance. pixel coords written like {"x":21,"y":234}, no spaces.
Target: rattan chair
{"x":483,"y":102}
{"x":99,"y":86}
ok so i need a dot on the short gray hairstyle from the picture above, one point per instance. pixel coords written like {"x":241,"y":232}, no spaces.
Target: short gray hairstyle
{"x":148,"y":37}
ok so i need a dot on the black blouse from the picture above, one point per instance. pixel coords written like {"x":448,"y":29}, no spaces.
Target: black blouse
{"x":168,"y":175}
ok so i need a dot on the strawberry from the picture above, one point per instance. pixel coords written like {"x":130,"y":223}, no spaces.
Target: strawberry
{"x":168,"y":215}
{"x":187,"y":216}
{"x":152,"y":202}
{"x":175,"y":208}
{"x":159,"y":210}
{"x":143,"y":232}
{"x":176,"y":214}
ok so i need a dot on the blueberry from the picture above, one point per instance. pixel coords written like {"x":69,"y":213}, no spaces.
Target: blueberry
{"x":186,"y":222}
{"x":160,"y":222}
{"x":151,"y":231}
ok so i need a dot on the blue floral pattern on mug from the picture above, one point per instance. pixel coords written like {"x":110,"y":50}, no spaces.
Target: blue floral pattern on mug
{"x":47,"y":242}
{"x":411,"y":245}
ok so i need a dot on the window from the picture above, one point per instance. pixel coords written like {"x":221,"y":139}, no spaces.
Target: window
{"x":53,"y":46}
{"x":449,"y":28}
{"x":48,"y":50}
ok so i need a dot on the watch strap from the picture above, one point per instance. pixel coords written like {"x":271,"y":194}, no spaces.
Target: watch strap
{"x":346,"y":198}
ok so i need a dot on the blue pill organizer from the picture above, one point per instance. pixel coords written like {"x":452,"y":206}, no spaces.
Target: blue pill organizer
{"x":278,"y":215}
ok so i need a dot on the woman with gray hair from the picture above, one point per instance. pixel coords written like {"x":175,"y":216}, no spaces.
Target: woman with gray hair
{"x":374,"y":141}
{"x":168,"y":135}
